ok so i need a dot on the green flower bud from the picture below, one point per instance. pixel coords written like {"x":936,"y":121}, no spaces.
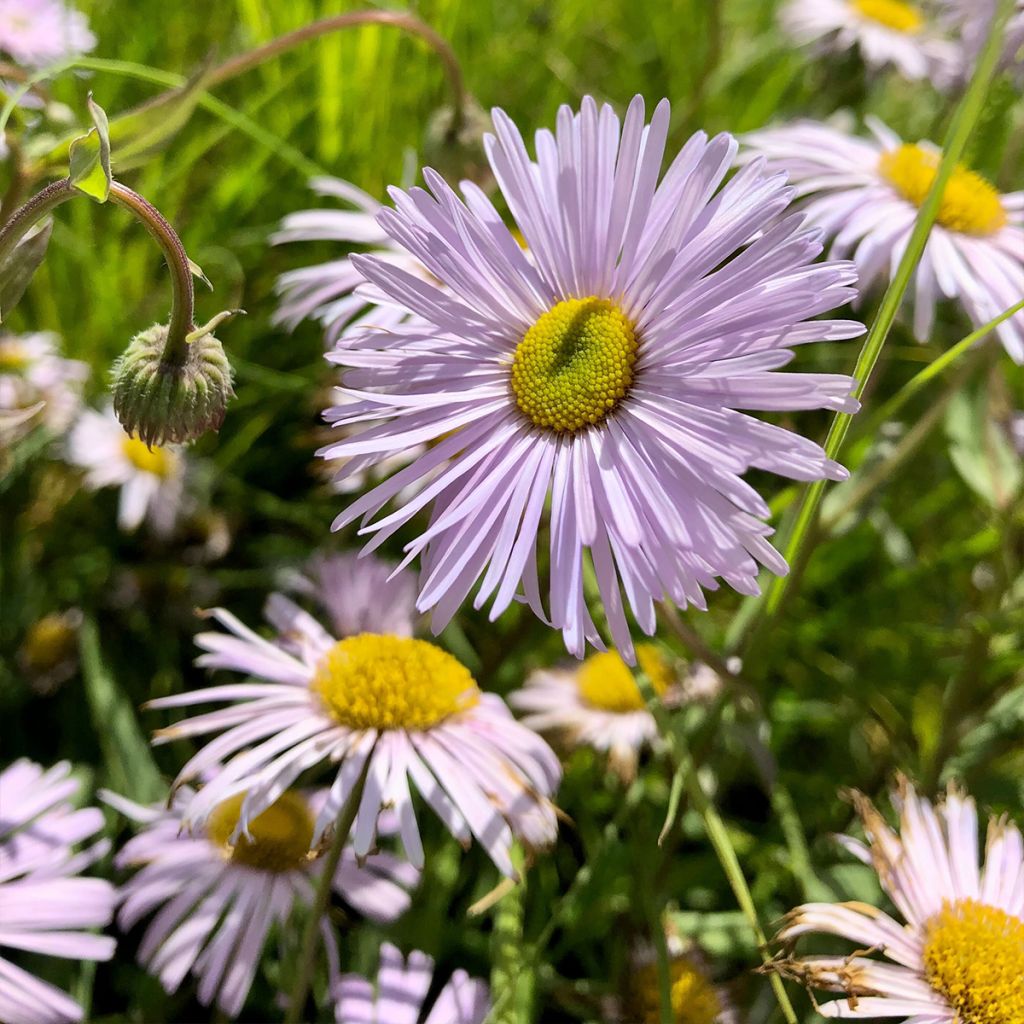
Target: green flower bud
{"x":457,"y":153}
{"x":161,"y":402}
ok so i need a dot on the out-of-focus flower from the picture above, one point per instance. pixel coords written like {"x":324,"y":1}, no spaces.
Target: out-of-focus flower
{"x":40,"y":32}
{"x":695,"y":997}
{"x":970,"y":21}
{"x":151,"y":479}
{"x":959,"y":956}
{"x":400,"y":992}
{"x":218,"y":894}
{"x":49,"y":652}
{"x":37,"y":383}
{"x":866,"y":195}
{"x":884,"y":32}
{"x":402,"y":708}
{"x":601,"y":376}
{"x":1017,"y":432}
{"x":598,"y":704}
{"x":44,"y":906}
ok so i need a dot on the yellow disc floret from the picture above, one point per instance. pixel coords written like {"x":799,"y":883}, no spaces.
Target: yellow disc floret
{"x":974,"y":958}
{"x":155,"y":460}
{"x":605,"y":681}
{"x":392,"y":682}
{"x":281,"y":835}
{"x":575,"y":364}
{"x":694,"y":999}
{"x":13,"y":357}
{"x":894,"y":14}
{"x":970,"y":204}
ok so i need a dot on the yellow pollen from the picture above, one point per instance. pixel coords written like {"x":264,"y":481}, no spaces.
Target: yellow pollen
{"x":575,"y":364}
{"x":281,"y":835}
{"x":605,"y":681}
{"x":155,"y":460}
{"x":894,"y":14}
{"x":392,"y":682}
{"x":974,"y":958}
{"x":694,"y":999}
{"x":970,"y":204}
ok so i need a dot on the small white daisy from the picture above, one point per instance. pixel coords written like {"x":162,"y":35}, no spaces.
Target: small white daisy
{"x":959,"y":956}
{"x":36,"y":379}
{"x":151,"y":479}
{"x":400,"y":992}
{"x":40,"y":32}
{"x":866,"y":195}
{"x":44,"y":906}
{"x":217,"y":898}
{"x":970,"y":21}
{"x":885,"y":32}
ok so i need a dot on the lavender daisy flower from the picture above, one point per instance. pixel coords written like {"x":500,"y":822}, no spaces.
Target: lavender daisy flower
{"x":694,"y":996}
{"x":40,"y":32}
{"x":217,"y":896}
{"x":866,"y":194}
{"x":36,"y":379}
{"x":401,"y":992}
{"x":44,"y":906}
{"x":970,"y":21}
{"x":604,"y":372}
{"x":959,"y":956}
{"x":884,"y":32}
{"x":402,"y":706}
{"x":151,"y":479}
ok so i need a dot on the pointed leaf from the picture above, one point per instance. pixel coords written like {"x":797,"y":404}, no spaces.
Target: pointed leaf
{"x":90,"y":157}
{"x":17,"y":270}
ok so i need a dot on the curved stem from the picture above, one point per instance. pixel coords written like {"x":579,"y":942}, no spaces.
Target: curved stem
{"x":397,"y":19}
{"x":27,"y":216}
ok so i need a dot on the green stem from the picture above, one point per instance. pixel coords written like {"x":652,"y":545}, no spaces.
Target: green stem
{"x":510,"y":974}
{"x":307,"y":955}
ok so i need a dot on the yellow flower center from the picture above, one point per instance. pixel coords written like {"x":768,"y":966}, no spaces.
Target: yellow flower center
{"x":49,"y":642}
{"x":392,"y":682}
{"x":155,"y":460}
{"x":974,"y":958}
{"x":281,"y":835}
{"x":970,"y":204}
{"x":13,"y":357}
{"x":575,"y":364}
{"x":605,"y":681}
{"x":694,"y":999}
{"x":894,"y":14}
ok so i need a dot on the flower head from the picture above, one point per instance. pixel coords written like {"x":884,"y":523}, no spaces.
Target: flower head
{"x":970,"y":21}
{"x":217,"y":896}
{"x":602,"y":375}
{"x":899,"y":33}
{"x":958,"y":956}
{"x":40,"y":32}
{"x":150,"y":478}
{"x":44,"y":906}
{"x":866,"y":195}
{"x":403,"y":709}
{"x":401,"y":992}
{"x":694,"y":996}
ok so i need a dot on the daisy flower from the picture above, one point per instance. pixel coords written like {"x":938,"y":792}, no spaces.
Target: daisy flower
{"x":970,"y":21}
{"x":401,"y":992}
{"x":44,"y":906}
{"x":40,"y":32}
{"x":598,"y":703}
{"x":35,"y":378}
{"x":957,"y":956}
{"x":601,"y":376}
{"x":216,"y":898}
{"x":400,"y":707}
{"x":151,"y":479}
{"x":866,"y":194}
{"x":884,"y":32}
{"x":695,"y":998}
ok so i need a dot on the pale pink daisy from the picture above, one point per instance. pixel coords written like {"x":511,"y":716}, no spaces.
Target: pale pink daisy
{"x":400,"y":994}
{"x":971,"y":22}
{"x":866,"y":194}
{"x":151,"y":479}
{"x":884,"y":32}
{"x":402,"y":708}
{"x":600,"y":377}
{"x":693,"y":994}
{"x":40,"y":32}
{"x":957,"y":956}
{"x":45,"y":907}
{"x":217,"y":897}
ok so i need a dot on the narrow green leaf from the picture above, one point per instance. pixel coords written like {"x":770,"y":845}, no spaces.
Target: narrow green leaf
{"x":17,"y":270}
{"x":90,"y":157}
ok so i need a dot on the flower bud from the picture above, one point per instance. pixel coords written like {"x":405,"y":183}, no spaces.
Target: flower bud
{"x":457,"y":153}
{"x":161,"y":402}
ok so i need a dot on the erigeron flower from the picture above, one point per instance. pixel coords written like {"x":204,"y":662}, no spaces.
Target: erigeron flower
{"x":970,"y":22}
{"x":694,"y":996}
{"x":884,"y":32}
{"x":45,"y":907}
{"x":216,"y":898}
{"x":151,"y":479}
{"x":36,"y":380}
{"x":401,"y":708}
{"x":40,"y":32}
{"x":957,"y":956}
{"x":597,"y":382}
{"x":866,"y":195}
{"x":400,"y":992}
